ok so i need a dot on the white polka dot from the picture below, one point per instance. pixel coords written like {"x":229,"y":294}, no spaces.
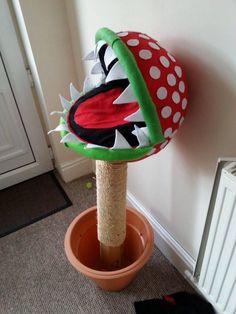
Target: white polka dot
{"x":166,"y":112}
{"x":163,"y":144}
{"x":184,"y":103}
{"x":162,"y":93}
{"x":168,"y":132}
{"x":171,"y":57}
{"x":153,"y":45}
{"x":133,"y":42}
{"x":144,"y":36}
{"x":123,"y":34}
{"x":176,"y":97}
{"x":154,"y":72}
{"x":181,"y":86}
{"x":164,"y":61}
{"x":176,"y":117}
{"x":178,"y":71}
{"x":173,"y":134}
{"x":181,"y":121}
{"x":171,"y":80}
{"x":145,"y":54}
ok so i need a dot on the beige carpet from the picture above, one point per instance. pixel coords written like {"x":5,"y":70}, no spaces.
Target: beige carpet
{"x":35,"y":276}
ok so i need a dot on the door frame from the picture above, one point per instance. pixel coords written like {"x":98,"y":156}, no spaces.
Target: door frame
{"x":16,"y":71}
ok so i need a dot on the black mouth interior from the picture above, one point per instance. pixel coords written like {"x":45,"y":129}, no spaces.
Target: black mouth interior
{"x":105,"y":136}
{"x":101,"y":55}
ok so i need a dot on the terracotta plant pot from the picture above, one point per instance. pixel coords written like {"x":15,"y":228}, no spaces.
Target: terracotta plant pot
{"x":83,"y":249}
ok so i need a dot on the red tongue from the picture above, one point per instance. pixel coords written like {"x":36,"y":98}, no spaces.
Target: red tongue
{"x":99,"y":112}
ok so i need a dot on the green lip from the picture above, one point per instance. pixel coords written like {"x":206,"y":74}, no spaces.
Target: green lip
{"x":137,"y":82}
{"x":108,"y":154}
{"x":145,"y":102}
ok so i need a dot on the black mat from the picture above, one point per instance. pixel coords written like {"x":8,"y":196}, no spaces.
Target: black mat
{"x":30,"y":201}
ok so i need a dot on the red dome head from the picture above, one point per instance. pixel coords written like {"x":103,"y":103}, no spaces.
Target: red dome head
{"x":137,"y":106}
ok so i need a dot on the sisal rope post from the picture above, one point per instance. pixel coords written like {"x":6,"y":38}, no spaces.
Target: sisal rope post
{"x":111,"y":212}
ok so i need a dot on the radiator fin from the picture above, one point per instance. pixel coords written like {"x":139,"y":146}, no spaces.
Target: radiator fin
{"x":217,"y":278}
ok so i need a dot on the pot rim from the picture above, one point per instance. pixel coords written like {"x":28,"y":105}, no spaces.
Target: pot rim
{"x":134,"y":267}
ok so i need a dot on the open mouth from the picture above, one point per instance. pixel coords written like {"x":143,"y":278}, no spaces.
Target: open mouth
{"x":136,"y":106}
{"x":108,"y":115}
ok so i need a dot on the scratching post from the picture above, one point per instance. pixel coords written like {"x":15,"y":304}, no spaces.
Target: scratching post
{"x":111,"y":212}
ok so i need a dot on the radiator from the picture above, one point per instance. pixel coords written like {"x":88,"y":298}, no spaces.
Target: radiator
{"x":215,"y":276}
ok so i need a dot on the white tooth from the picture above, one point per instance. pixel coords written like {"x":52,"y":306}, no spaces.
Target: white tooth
{"x":88,"y":85}
{"x":126,"y":97}
{"x":60,"y":127}
{"x":97,"y":68}
{"x":101,"y":80}
{"x":116,"y":73}
{"x":65,"y":103}
{"x":74,"y":93}
{"x":145,"y":131}
{"x":90,"y":56}
{"x":142,"y":138}
{"x":70,"y":138}
{"x":120,"y":141}
{"x":135,"y":117}
{"x":95,"y":146}
{"x":98,"y":46}
{"x":109,"y":56}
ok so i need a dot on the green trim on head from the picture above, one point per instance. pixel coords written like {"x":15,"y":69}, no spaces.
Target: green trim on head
{"x":106,"y":153}
{"x":137,"y":82}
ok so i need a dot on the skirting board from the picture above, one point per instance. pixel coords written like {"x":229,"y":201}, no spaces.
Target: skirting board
{"x":75,"y":169}
{"x":165,"y":242}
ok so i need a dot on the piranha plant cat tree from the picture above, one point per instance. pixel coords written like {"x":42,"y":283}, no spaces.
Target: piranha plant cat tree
{"x":132,"y":113}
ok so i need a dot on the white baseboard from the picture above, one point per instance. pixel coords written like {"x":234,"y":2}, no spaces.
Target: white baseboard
{"x":75,"y":169}
{"x":165,"y":242}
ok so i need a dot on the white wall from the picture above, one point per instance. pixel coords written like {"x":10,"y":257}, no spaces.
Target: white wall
{"x":175,"y":185}
{"x":46,"y":35}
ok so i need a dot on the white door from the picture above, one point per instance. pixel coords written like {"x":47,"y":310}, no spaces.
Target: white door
{"x":15,"y":150}
{"x":23,"y":149}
